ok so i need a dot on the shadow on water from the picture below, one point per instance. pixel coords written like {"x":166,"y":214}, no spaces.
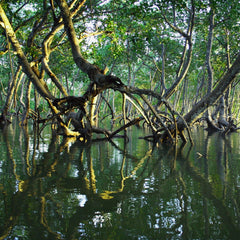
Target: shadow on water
{"x":115,"y":190}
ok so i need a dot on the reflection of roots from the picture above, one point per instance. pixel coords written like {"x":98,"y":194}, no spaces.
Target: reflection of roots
{"x":106,"y":195}
{"x":43,"y":219}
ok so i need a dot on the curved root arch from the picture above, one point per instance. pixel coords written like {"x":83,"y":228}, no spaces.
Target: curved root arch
{"x":164,"y":125}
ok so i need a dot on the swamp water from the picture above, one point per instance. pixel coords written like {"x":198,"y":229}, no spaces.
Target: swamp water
{"x":51,"y":190}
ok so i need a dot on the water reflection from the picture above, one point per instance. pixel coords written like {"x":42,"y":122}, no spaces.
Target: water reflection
{"x":51,"y":189}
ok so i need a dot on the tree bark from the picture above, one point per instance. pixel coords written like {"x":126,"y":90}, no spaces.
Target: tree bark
{"x":208,"y":54}
{"x":27,"y":104}
{"x":10,"y":93}
{"x":38,"y":83}
{"x":46,"y":53}
{"x":163,"y":55}
{"x":83,"y":64}
{"x":214,"y":96}
{"x":95,"y":74}
{"x":186,"y":55}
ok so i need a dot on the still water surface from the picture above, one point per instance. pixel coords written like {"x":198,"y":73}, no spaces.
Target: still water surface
{"x":53,"y":190}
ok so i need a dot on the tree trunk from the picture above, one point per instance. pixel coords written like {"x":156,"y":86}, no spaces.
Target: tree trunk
{"x":12,"y":86}
{"x":208,"y":55}
{"x":228,"y":110}
{"x":27,"y":104}
{"x":214,"y":96}
{"x":92,"y":71}
{"x":46,"y":53}
{"x":38,"y":83}
{"x":186,"y":57}
{"x":92,"y":111}
{"x":163,"y":86}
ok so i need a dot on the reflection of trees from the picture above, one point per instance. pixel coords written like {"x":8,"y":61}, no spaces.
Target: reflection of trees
{"x":37,"y":184}
{"x":155,"y":191}
{"x":211,"y":189}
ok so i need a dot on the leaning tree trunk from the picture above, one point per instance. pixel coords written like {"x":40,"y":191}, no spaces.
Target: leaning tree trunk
{"x":38,"y":83}
{"x":215,"y":95}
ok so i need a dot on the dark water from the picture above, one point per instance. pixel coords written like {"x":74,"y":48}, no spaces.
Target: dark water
{"x":53,"y":190}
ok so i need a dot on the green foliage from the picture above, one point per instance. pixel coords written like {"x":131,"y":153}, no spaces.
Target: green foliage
{"x":128,"y":38}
